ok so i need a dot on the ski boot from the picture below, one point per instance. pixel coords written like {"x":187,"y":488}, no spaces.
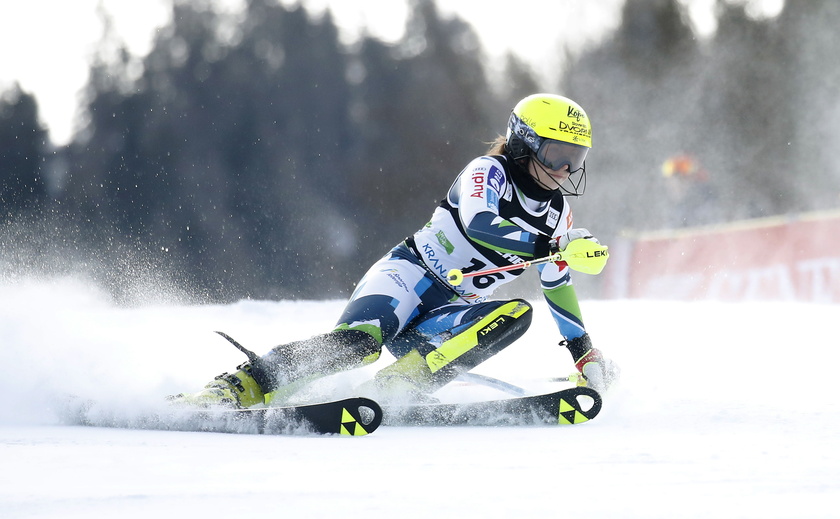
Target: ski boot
{"x":597,"y":371}
{"x":237,"y":390}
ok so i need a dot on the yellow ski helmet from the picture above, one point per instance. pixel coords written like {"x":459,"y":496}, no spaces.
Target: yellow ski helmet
{"x":553,"y":127}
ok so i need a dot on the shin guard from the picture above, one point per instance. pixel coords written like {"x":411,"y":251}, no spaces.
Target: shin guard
{"x":321,"y":355}
{"x":425,"y":373}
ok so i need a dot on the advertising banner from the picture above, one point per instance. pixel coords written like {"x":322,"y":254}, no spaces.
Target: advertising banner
{"x":796,"y":258}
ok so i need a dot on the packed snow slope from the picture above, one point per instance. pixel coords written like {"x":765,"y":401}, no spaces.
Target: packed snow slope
{"x":723,"y":410}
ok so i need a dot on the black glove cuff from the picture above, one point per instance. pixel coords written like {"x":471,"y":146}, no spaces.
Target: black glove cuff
{"x":578,"y":346}
{"x":542,"y":247}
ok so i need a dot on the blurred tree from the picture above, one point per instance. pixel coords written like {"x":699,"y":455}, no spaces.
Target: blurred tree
{"x":22,"y":149}
{"x":809,"y":33}
{"x":752,"y":104}
{"x":421,"y":115}
{"x":223,"y":150}
{"x":301,"y":139}
{"x":640,"y":87}
{"x":747,"y":104}
{"x":514,"y":81}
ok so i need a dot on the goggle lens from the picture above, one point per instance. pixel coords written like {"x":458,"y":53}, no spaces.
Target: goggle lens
{"x":556,"y":154}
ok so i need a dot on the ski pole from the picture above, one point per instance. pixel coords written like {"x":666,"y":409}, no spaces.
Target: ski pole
{"x":582,"y":255}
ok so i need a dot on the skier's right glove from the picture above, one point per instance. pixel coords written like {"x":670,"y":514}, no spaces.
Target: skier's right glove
{"x":598,"y":371}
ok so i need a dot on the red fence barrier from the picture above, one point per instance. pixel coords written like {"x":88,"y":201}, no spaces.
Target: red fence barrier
{"x":795,"y":258}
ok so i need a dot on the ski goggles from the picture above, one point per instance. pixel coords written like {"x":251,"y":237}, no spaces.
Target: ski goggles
{"x":556,"y":154}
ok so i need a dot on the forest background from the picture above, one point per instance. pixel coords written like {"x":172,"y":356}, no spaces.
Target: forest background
{"x":256,"y":156}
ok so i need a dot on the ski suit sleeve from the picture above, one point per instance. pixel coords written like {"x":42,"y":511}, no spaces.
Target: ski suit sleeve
{"x":482,"y":184}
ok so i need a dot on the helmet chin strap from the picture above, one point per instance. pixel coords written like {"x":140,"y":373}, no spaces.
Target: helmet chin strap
{"x":540,"y":182}
{"x":566,"y":192}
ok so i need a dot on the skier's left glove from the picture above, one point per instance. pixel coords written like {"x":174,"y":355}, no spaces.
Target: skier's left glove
{"x":598,"y":371}
{"x":559,"y":244}
{"x":572,"y":235}
{"x":546,"y":245}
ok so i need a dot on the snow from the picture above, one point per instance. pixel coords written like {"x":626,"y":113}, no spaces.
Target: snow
{"x":723,"y":410}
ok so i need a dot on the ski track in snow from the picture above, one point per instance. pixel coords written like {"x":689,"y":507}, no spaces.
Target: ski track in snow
{"x":723,"y":410}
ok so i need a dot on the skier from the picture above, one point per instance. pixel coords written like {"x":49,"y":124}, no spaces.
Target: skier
{"x":504,"y":208}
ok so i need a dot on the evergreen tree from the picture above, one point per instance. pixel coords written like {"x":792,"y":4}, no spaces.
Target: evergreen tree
{"x":421,"y":116}
{"x":640,"y":87}
{"x":22,"y":149}
{"x":810,"y":76}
